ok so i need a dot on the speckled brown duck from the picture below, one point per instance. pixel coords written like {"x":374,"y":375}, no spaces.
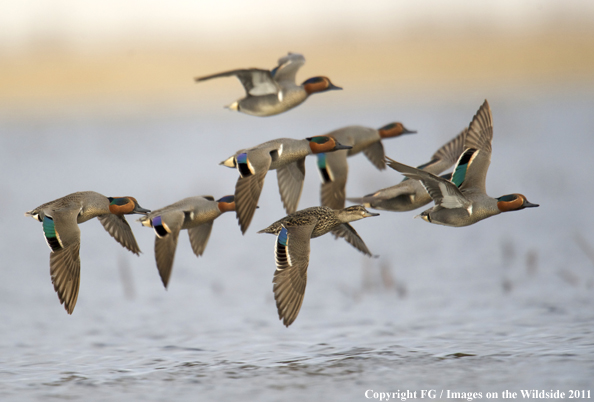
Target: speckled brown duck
{"x":291,"y":250}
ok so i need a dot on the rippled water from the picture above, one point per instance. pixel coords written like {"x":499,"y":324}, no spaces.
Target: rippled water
{"x":503,"y":305}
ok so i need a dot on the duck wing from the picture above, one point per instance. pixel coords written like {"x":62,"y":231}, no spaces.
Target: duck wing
{"x":334,"y":169}
{"x":252,"y":166}
{"x":65,"y":274}
{"x":167,"y":227}
{"x":120,"y":230}
{"x":256,"y":82}
{"x":349,"y":233}
{"x":447,"y":155}
{"x":290,"y":184}
{"x":287,"y":68}
{"x":247,"y":194}
{"x":443,"y":192}
{"x":63,"y":236}
{"x":375,"y":154}
{"x":470,"y":172}
{"x":199,"y":236}
{"x":291,"y":252}
{"x":402,"y":188}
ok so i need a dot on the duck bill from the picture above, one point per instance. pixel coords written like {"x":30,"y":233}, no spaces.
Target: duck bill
{"x":407,"y":131}
{"x":229,"y":162}
{"x":340,"y":146}
{"x":332,"y":86}
{"x":140,"y":210}
{"x":368,"y":214}
{"x":530,"y":205}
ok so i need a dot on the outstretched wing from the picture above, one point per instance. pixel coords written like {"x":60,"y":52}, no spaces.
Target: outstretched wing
{"x":470,"y":172}
{"x":65,"y":274}
{"x":443,"y":192}
{"x":165,"y":255}
{"x":480,"y":130}
{"x":253,"y":166}
{"x":290,"y":184}
{"x":167,"y":226}
{"x":119,"y":229}
{"x":63,"y":235}
{"x":333,"y":168}
{"x":447,"y":155}
{"x":199,"y":236}
{"x":287,"y":68}
{"x":247,"y":194}
{"x":291,"y":253}
{"x":375,"y":154}
{"x":349,"y":233}
{"x":257,"y":82}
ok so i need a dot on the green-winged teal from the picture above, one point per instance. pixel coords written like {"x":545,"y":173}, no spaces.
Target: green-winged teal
{"x":60,"y":219}
{"x":463,"y":200}
{"x":333,"y":168}
{"x":287,"y":156}
{"x":193,"y":213}
{"x":270,"y":92}
{"x":410,"y":194}
{"x":292,"y":250}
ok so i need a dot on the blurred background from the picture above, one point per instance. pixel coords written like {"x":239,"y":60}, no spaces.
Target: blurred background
{"x":99,"y":95}
{"x":137,"y":55}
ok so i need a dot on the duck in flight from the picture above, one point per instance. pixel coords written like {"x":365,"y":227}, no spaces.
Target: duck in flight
{"x":463,"y":200}
{"x":270,"y":92}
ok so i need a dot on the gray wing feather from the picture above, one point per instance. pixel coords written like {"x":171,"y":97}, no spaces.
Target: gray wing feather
{"x":199,"y":236}
{"x":119,"y":229}
{"x":255,"y":81}
{"x":442,"y":191}
{"x":402,"y":188}
{"x":375,"y":154}
{"x":347,"y":232}
{"x":480,"y":135}
{"x":165,"y":254}
{"x":287,"y":67}
{"x":290,"y":277}
{"x":65,"y":274}
{"x":332,"y":192}
{"x":247,"y":194}
{"x":65,"y":263}
{"x":290,"y":184}
{"x":446,"y":156}
{"x":480,"y":130}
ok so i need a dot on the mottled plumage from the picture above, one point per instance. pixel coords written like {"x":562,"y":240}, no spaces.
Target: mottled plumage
{"x":334,"y":168}
{"x":292,"y":250}
{"x":275,"y":91}
{"x":287,"y":156}
{"x":464,"y":201}
{"x":196,"y":214}
{"x":410,"y":194}
{"x":60,"y":219}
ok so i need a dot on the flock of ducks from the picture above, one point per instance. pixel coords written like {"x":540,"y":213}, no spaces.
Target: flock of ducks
{"x":460,"y":197}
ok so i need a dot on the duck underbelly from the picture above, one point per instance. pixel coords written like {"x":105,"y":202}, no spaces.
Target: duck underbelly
{"x":269,"y":105}
{"x":402,"y":203}
{"x":459,"y":217}
{"x":202,"y":218}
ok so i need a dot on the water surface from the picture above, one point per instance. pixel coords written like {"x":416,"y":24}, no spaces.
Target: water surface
{"x":503,"y":305}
